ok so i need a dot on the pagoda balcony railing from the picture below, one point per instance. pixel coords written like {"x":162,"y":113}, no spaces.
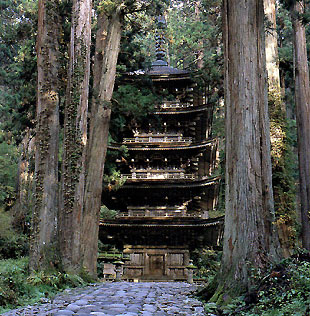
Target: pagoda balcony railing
{"x":158,"y":212}
{"x":159,"y":176}
{"x":170,"y":105}
{"x":155,"y":139}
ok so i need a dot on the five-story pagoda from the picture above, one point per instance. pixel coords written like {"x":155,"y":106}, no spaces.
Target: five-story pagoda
{"x":169,"y":188}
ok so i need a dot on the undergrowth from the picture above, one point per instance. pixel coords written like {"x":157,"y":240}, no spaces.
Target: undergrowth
{"x":284,"y":291}
{"x":18,"y":287}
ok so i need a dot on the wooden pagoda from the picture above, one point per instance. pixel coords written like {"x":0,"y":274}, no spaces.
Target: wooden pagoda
{"x":170,"y":187}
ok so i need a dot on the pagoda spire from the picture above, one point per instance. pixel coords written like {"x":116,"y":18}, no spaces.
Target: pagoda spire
{"x":161,"y":54}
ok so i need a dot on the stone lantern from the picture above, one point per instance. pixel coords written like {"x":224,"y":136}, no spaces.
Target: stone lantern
{"x":190,"y":268}
{"x":118,"y":269}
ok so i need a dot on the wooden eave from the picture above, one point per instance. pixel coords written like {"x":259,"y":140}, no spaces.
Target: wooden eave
{"x":143,"y":146}
{"x":164,"y":185}
{"x":190,"y":222}
{"x":189,"y":110}
{"x":168,"y":77}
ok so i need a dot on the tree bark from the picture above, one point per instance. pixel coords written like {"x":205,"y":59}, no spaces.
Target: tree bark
{"x":25,"y":185}
{"x":271,"y":44}
{"x":107,"y":50}
{"x":75,"y":137}
{"x":302,"y":102}
{"x":282,"y":180}
{"x":200,"y":52}
{"x":250,"y":239}
{"x":43,"y":236}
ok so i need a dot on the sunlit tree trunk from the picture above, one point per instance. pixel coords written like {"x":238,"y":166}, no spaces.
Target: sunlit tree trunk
{"x":282,"y":179}
{"x":25,"y":182}
{"x":107,"y":50}
{"x":250,"y":239}
{"x":43,"y":236}
{"x":75,"y":137}
{"x":272,"y":56}
{"x":302,"y":102}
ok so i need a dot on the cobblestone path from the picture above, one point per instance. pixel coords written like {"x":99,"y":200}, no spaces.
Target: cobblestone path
{"x":120,"y":298}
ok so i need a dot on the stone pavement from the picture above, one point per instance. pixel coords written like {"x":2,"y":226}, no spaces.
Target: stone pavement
{"x":120,"y":298}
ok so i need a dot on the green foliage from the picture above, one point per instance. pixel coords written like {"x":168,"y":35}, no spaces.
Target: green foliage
{"x":132,"y":103}
{"x":106,"y":213}
{"x":193,"y":27}
{"x":12,"y":244}
{"x":18,"y":288}
{"x":284,"y":290}
{"x":8,"y":170}
{"x":207,"y":261}
{"x":17,"y":65}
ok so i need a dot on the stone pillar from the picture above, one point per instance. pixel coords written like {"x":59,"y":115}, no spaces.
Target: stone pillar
{"x":190,"y":269}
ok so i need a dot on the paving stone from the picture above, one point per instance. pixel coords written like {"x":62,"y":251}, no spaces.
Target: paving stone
{"x":64,"y":312}
{"x":73,"y":307}
{"x":120,"y":299}
{"x":81,"y":302}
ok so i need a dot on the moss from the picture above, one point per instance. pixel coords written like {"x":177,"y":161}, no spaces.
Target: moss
{"x":282,"y":180}
{"x":73,"y":145}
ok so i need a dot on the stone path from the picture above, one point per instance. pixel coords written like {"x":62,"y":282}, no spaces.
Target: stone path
{"x":120,"y":298}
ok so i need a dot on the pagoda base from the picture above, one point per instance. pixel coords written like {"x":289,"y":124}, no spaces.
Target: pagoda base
{"x":160,"y":263}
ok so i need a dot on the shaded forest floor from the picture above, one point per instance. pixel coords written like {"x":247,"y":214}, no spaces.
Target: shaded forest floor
{"x":283,"y":291}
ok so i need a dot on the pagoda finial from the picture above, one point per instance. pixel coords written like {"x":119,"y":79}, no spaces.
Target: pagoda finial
{"x":160,"y":42}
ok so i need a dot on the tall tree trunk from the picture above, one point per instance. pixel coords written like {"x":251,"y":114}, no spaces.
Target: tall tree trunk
{"x":271,"y":44}
{"x":199,"y":53}
{"x":250,"y":238}
{"x":283,"y":184}
{"x":43,"y":237}
{"x":107,"y":49}
{"x":25,"y":186}
{"x":302,"y":101}
{"x":75,"y":137}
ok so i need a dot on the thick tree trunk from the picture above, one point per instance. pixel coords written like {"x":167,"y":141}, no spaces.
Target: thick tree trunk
{"x":107,"y":49}
{"x":75,"y":137}
{"x":250,"y":239}
{"x":282,"y":180}
{"x":43,"y":237}
{"x":25,"y":186}
{"x":302,"y":101}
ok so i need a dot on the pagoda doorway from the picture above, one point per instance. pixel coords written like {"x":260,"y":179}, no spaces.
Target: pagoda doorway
{"x":156,"y":265}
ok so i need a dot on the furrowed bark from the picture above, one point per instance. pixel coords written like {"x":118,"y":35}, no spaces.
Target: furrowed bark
{"x":43,"y":236}
{"x":250,"y":238}
{"x":75,"y":138}
{"x":302,"y":102}
{"x":25,"y":185}
{"x":282,"y":180}
{"x":107,"y":49}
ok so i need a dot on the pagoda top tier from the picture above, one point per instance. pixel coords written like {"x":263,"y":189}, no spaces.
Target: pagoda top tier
{"x":160,"y":65}
{"x":160,"y":68}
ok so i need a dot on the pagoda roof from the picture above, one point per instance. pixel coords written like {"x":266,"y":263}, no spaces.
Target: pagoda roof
{"x":143,"y":146}
{"x":162,"y":222}
{"x":161,"y":68}
{"x":162,"y":73}
{"x":191,"y":232}
{"x":188,"y":110}
{"x":164,"y":185}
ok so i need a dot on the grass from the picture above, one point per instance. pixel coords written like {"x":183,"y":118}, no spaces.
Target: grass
{"x":19,"y":288}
